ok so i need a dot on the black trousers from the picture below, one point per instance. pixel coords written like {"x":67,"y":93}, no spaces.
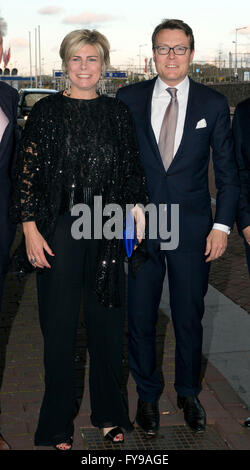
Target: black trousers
{"x":188,"y":283}
{"x":247,"y":248}
{"x":59,"y":296}
{"x":7,"y":234}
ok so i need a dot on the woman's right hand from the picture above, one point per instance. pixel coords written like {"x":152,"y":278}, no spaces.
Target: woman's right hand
{"x":140,"y":223}
{"x":35,"y":246}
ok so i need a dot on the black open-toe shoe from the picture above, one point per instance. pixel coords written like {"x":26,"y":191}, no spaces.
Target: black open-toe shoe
{"x":111,"y":435}
{"x":67,"y":442}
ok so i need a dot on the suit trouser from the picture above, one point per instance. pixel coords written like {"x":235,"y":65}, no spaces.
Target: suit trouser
{"x":247,"y":248}
{"x":59,"y":296}
{"x":7,"y":234}
{"x":188,"y":283}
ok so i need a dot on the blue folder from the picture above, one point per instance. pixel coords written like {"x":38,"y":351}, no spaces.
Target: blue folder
{"x":129,"y":234}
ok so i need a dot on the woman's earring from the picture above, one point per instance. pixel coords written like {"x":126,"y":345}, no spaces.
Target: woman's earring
{"x":67,"y":85}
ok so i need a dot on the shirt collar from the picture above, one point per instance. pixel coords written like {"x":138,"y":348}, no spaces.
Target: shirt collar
{"x":160,"y":87}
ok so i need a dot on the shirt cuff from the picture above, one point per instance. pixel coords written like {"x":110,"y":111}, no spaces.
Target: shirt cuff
{"x":222,"y":227}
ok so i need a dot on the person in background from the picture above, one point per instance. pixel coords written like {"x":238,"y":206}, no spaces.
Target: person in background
{"x":177,"y":121}
{"x":76,"y":145}
{"x":241,"y":135}
{"x":8,"y":143}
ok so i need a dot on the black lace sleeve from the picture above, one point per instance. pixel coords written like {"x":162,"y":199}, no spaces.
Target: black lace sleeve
{"x":27,"y":175}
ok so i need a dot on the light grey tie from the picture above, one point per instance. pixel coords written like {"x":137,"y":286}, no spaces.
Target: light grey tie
{"x":168,"y":129}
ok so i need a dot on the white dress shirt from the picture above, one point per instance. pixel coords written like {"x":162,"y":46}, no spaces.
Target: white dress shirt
{"x":160,"y":100}
{"x":4,"y":121}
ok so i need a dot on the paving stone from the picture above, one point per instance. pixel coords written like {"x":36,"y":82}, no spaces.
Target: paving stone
{"x":224,"y":392}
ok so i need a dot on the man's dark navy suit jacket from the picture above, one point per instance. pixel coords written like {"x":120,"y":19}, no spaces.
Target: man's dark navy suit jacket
{"x":241,"y":130}
{"x":186,"y":181}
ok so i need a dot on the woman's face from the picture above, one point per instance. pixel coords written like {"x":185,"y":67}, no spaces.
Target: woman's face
{"x":84,"y":69}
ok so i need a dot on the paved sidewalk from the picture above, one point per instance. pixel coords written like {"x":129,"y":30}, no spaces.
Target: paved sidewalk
{"x":21,"y":368}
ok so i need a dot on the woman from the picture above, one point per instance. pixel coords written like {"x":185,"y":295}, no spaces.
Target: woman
{"x":77,"y":145}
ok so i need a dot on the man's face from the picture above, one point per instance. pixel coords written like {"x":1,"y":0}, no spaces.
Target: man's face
{"x":172,"y":69}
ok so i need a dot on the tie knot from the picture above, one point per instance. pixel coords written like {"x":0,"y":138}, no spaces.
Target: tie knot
{"x":172,"y":92}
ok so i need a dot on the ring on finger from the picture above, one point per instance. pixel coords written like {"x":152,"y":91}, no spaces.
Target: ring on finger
{"x":33,"y":261}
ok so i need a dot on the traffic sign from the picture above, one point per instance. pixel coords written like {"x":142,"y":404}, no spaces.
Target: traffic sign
{"x":115,"y":74}
{"x":15,"y":77}
{"x":58,"y":73}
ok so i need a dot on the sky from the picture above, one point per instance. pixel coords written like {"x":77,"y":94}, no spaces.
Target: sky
{"x":127,"y":24}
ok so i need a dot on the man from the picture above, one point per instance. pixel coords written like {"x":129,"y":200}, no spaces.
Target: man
{"x":177,"y":120}
{"x":241,"y":134}
{"x":8,"y":134}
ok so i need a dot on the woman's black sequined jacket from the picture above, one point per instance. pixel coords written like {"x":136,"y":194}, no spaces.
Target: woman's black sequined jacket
{"x":69,"y":144}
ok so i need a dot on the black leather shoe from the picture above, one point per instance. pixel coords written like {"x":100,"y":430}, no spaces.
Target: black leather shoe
{"x":148,"y":417}
{"x":194,"y":413}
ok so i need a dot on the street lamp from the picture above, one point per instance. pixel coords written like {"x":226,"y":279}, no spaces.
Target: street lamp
{"x":140,"y":46}
{"x":236,"y":32}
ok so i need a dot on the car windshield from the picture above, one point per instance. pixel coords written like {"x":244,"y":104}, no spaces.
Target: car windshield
{"x":31,"y":98}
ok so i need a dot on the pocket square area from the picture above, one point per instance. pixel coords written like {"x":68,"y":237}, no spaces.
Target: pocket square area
{"x":201,"y":123}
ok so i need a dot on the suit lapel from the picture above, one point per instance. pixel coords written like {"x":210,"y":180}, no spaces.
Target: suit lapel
{"x":149,"y":130}
{"x":5,"y":103}
{"x":7,"y":131}
{"x":189,"y":122}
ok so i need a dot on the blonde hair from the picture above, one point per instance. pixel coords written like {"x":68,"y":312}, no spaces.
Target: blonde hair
{"x":79,"y":38}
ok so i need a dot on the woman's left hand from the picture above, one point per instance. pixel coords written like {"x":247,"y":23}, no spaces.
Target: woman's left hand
{"x":140,"y":223}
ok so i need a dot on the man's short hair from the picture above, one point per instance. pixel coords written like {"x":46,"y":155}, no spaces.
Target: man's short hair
{"x":174,"y":24}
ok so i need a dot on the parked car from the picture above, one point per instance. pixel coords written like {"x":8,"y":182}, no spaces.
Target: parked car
{"x":27,"y":98}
